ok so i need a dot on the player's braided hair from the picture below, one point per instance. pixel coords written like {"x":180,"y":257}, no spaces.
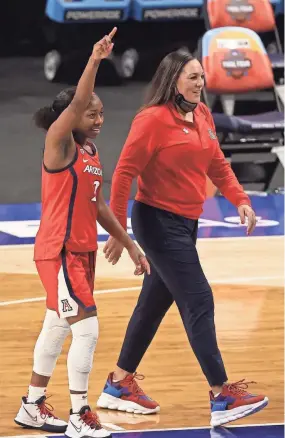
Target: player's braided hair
{"x":47,"y":115}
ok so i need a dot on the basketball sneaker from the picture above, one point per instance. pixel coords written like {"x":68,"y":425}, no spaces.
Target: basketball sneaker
{"x":126,"y":395}
{"x":85,"y":424}
{"x":38,"y":415}
{"x":234,"y":402}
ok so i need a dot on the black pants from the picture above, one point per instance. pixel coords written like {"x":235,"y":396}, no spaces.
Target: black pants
{"x":176,"y":275}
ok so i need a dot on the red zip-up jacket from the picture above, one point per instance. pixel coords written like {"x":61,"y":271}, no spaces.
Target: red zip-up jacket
{"x":171,"y":158}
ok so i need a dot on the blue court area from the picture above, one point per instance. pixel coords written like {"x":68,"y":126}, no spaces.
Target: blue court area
{"x":266,"y":431}
{"x":19,"y":223}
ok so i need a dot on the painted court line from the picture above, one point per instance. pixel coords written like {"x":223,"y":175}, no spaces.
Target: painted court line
{"x":157,"y":430}
{"x":199,"y":428}
{"x":240,"y":280}
{"x":113,"y":427}
{"x":98,"y":292}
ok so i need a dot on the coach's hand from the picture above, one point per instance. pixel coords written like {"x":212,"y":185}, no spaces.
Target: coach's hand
{"x":139,"y":260}
{"x":113,"y":250}
{"x":104,"y":47}
{"x":247,"y":211}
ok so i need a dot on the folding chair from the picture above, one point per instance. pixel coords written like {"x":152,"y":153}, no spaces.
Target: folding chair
{"x":238,"y":74}
{"x":257,"y":15}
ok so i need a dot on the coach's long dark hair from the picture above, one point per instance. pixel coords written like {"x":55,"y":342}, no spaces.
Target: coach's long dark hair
{"x":162,"y":86}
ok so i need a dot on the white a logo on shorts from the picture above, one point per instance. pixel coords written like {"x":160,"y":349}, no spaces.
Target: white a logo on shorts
{"x":66,"y":307}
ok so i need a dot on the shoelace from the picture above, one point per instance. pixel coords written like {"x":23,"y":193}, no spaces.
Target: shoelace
{"x":133,"y":384}
{"x":91,"y":419}
{"x":240,"y":387}
{"x":46,"y":409}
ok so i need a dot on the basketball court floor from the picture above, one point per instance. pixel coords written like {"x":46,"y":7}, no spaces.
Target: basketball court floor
{"x":247,"y":276}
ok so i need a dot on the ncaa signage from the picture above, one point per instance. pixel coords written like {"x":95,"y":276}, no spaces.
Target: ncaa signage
{"x":19,"y":224}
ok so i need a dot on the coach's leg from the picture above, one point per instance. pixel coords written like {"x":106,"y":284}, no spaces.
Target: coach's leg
{"x":153,"y":303}
{"x":121,"y":390}
{"x":194,"y":298}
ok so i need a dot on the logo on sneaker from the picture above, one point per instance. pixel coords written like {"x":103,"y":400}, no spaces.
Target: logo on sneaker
{"x":115,"y":391}
{"x":78,"y":429}
{"x":33,"y":418}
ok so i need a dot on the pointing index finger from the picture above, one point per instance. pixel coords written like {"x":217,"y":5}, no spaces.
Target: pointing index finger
{"x":112,"y":33}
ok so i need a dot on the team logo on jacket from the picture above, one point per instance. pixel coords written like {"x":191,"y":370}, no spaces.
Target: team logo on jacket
{"x":240,"y":10}
{"x":66,"y":307}
{"x":212,"y":134}
{"x":94,"y":170}
{"x":236,"y":64}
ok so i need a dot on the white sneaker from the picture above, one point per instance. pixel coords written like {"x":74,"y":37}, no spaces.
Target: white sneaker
{"x":38,"y":415}
{"x":85,"y":424}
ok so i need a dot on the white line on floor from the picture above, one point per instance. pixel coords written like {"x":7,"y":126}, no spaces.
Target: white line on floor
{"x":96,"y":292}
{"x":240,"y":280}
{"x":113,"y":426}
{"x":201,"y":428}
{"x":159,"y":430}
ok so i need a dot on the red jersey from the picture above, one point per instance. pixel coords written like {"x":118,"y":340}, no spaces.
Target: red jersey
{"x":69,"y":207}
{"x":171,"y":158}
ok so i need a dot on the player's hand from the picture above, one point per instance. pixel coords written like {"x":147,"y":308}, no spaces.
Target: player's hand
{"x":245,"y":211}
{"x":139,"y":260}
{"x":104,"y":47}
{"x":113,"y":250}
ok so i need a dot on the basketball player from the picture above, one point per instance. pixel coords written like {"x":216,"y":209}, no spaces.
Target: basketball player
{"x":172,"y":146}
{"x":65,"y":250}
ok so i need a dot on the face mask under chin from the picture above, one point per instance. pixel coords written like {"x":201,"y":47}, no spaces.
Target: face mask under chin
{"x":184,"y":104}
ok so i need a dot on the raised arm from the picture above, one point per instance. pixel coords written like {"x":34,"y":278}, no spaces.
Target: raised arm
{"x":60,"y":132}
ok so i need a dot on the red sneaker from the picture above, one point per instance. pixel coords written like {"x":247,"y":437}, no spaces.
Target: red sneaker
{"x":126,"y":395}
{"x":234,"y":402}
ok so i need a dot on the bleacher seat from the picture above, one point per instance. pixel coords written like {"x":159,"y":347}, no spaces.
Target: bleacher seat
{"x":236,"y":66}
{"x":257,"y":15}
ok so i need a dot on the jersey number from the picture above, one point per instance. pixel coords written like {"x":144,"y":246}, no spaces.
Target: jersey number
{"x":96,"y":186}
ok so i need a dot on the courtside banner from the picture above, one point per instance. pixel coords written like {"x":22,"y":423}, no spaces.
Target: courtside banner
{"x":19,"y":223}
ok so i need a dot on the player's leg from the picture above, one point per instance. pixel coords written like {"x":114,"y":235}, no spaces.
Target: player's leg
{"x":34,"y":412}
{"x":121,"y":390}
{"x":77,"y":304}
